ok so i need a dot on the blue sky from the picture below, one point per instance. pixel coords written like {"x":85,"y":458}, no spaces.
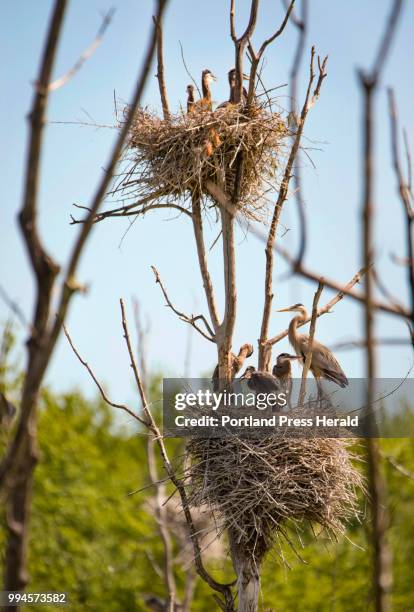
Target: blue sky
{"x":74,"y":157}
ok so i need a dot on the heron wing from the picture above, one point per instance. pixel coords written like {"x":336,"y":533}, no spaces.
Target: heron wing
{"x":268,"y":382}
{"x":324,"y":362}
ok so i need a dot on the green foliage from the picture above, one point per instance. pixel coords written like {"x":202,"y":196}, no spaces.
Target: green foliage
{"x":93,"y":539}
{"x":89,"y":537}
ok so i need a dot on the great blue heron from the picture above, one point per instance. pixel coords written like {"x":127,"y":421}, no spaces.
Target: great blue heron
{"x":232,"y":93}
{"x":282,"y":371}
{"x":190,"y":98}
{"x":324,"y":363}
{"x":260,"y":382}
{"x":237,"y":361}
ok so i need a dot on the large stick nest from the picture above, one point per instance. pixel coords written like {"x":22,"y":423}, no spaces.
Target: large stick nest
{"x":256,"y":485}
{"x":171,"y":161}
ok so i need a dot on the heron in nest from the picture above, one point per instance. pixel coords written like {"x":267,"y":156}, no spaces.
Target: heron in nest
{"x":237,"y":361}
{"x":206,"y":100}
{"x":190,"y":98}
{"x":232,"y":94}
{"x":260,"y":382}
{"x":324,"y":363}
{"x":282,"y":371}
{"x":213,"y":141}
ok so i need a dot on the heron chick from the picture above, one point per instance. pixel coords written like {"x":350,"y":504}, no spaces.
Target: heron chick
{"x":190,"y":98}
{"x":237,"y":361}
{"x":232,"y":93}
{"x":260,"y":382}
{"x":282,"y":371}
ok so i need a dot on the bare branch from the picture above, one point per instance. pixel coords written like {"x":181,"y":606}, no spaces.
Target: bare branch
{"x":160,"y":70}
{"x":333,"y":284}
{"x":102,"y":189}
{"x":98,"y":384}
{"x":16,"y":469}
{"x":129,"y":210}
{"x":248,"y":33}
{"x":226,"y":330}
{"x":224,"y":589}
{"x":182,"y":316}
{"x":301,"y":24}
{"x":404,"y":191}
{"x":21,"y":454}
{"x":397,"y":466}
{"x":359,"y":344}
{"x":264,"y":346}
{"x":345,"y":290}
{"x":384,"y":48}
{"x":160,"y":509}
{"x":386,"y":292}
{"x":16,"y":310}
{"x":256,"y":57}
{"x":308,"y":360}
{"x":240,"y":44}
{"x":232,"y":20}
{"x":382,"y":562}
{"x":279,"y":31}
{"x":188,"y":71}
{"x":85,"y":55}
{"x":221,"y":197}
{"x":202,"y":260}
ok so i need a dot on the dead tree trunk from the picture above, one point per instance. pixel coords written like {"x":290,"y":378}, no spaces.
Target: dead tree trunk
{"x":382,"y":554}
{"x":247,"y":568}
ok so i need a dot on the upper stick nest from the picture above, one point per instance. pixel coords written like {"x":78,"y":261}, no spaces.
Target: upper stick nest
{"x":255,"y":485}
{"x":171,"y":161}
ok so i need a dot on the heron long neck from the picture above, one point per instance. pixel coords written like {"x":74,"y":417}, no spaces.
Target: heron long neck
{"x":232,"y":91}
{"x":206,"y":90}
{"x":293,"y":332}
{"x":284,"y":370}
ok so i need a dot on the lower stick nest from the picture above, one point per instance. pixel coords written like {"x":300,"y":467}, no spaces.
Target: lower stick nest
{"x":171,"y":160}
{"x":256,"y":485}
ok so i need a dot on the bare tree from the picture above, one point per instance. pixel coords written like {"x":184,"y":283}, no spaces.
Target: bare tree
{"x":377,"y":486}
{"x":16,"y":469}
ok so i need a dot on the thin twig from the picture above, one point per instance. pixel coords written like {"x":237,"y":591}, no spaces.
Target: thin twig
{"x":333,"y":284}
{"x":312,"y":329}
{"x":85,"y":55}
{"x":257,"y":56}
{"x":16,"y":310}
{"x":349,"y":345}
{"x":187,"y":70}
{"x":328,"y":306}
{"x":181,"y":315}
{"x":406,"y":198}
{"x":98,"y":384}
{"x":397,"y":466}
{"x":301,"y":24}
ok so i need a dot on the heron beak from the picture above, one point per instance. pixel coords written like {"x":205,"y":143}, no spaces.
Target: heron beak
{"x":284,"y":309}
{"x":294,"y":357}
{"x":213,"y":77}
